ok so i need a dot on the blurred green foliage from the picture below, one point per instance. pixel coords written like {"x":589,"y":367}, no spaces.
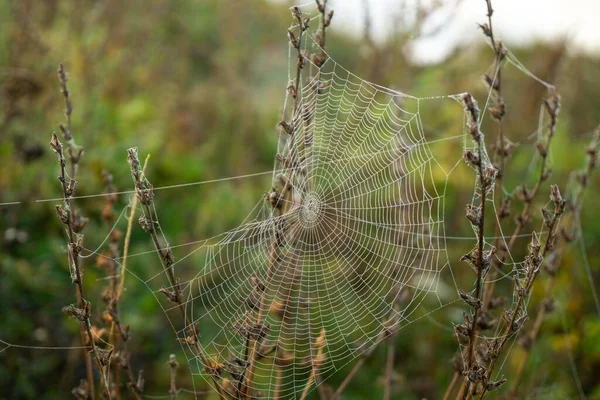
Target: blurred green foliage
{"x":199,"y":85}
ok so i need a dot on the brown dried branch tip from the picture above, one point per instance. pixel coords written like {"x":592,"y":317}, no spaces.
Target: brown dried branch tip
{"x":143,"y":188}
{"x":326,"y":17}
{"x":62,"y":76}
{"x":73,"y":150}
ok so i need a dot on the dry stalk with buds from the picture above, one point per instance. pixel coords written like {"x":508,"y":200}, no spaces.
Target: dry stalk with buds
{"x":514,"y":319}
{"x":479,"y":258}
{"x":119,"y":334}
{"x":280,"y":200}
{"x":148,"y":222}
{"x":562,"y":241}
{"x":74,"y":223}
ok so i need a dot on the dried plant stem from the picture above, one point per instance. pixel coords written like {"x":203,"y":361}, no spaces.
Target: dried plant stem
{"x":316,"y":363}
{"x":128,"y":238}
{"x":281,"y":203}
{"x":451,"y":386}
{"x":349,"y":377}
{"x":484,"y":174}
{"x":533,"y":264}
{"x":75,"y":224}
{"x":320,"y":389}
{"x":274,"y":257}
{"x":119,"y":291}
{"x":73,"y":248}
{"x":388,"y":330}
{"x":502,"y":150}
{"x":389,"y":368}
{"x":489,"y":15}
{"x":296,"y":42}
{"x":174,"y":365}
{"x":547,"y":303}
{"x":552,"y":106}
{"x":475,"y":373}
{"x":111,"y":296}
{"x":145,"y":195}
{"x":309,"y":382}
{"x":111,"y":265}
{"x":531,"y":336}
{"x":278,"y":379}
{"x":321,"y":37}
{"x":88,"y":360}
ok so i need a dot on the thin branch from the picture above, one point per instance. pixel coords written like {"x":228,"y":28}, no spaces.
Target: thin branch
{"x":316,"y":363}
{"x":145,"y":194}
{"x":552,"y":267}
{"x":174,"y":365}
{"x":389,"y":367}
{"x":133,"y":208}
{"x":75,"y":224}
{"x":349,"y":377}
{"x":476,"y":215}
{"x":513,"y":319}
{"x":280,"y":202}
{"x":389,"y":328}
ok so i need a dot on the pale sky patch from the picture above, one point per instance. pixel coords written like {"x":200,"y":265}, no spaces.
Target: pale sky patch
{"x":515,"y":21}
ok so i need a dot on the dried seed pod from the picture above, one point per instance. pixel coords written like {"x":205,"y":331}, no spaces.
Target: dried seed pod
{"x":462,"y":331}
{"x":63,"y":214}
{"x":82,"y":314}
{"x":520,"y":291}
{"x":470,"y":300}
{"x":274,"y":198}
{"x":471,"y":158}
{"x":286,"y":127}
{"x":486,"y":31}
{"x":82,"y":391}
{"x":473,"y":214}
{"x":146,"y":224}
{"x":171,"y":295}
{"x":491,"y":386}
{"x":328,"y":20}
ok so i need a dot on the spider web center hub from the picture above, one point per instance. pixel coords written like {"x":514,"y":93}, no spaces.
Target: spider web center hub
{"x":312,"y":209}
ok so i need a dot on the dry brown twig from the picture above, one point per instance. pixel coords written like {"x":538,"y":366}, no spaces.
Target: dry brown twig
{"x":316,"y":363}
{"x":514,"y":319}
{"x":502,"y":151}
{"x":479,"y":258}
{"x":475,"y":373}
{"x":173,"y":365}
{"x":280,"y":202}
{"x":483,"y":301}
{"x":502,"y":148}
{"x":119,"y":334}
{"x":281,"y":199}
{"x":74,"y":224}
{"x":148,"y":222}
{"x":389,"y":330}
{"x":365,"y":354}
{"x":570,"y":220}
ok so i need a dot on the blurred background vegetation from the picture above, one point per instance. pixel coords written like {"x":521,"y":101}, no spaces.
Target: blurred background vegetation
{"x":199,"y":85}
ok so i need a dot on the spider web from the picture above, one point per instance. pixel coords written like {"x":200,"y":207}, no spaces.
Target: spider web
{"x":360,"y":248}
{"x":359,"y":252}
